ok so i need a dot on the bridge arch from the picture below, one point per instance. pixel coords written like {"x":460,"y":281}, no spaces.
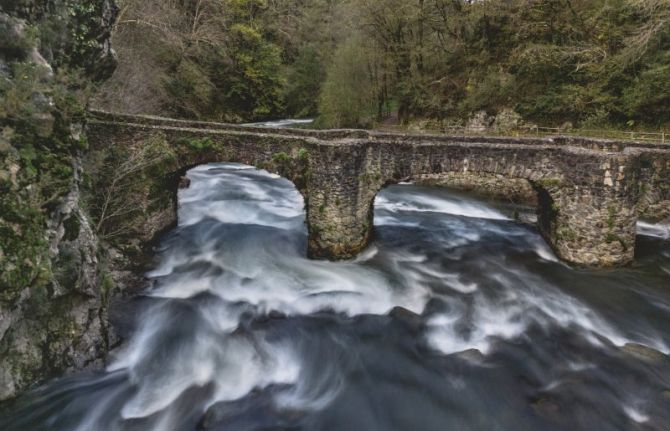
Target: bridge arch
{"x":587,"y":220}
{"x":588,"y":190}
{"x":173,"y":151}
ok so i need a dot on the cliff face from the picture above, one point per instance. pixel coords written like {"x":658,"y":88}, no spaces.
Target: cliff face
{"x":55,"y":283}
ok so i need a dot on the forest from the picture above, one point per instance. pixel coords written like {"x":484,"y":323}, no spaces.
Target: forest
{"x":355,"y":63}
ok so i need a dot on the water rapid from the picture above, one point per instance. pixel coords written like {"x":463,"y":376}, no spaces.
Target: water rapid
{"x":456,"y":318}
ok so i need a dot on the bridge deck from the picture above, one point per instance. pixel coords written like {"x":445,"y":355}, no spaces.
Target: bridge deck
{"x":350,"y":135}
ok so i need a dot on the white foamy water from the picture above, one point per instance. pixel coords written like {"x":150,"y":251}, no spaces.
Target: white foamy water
{"x":250,"y":201}
{"x":506,"y":314}
{"x":268,"y":273}
{"x":279,"y":124}
{"x":238,"y":315}
{"x":446,"y":205}
{"x":658,"y":230}
{"x":636,"y":415}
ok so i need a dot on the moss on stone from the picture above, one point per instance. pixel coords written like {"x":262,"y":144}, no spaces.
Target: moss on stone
{"x":611,"y":216}
{"x":612,"y":238}
{"x":198,"y":144}
{"x":549,"y":183}
{"x":42,"y":109}
{"x":303,"y":154}
{"x":281,"y":157}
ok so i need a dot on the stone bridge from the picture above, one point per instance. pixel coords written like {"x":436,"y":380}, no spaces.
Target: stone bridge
{"x":589,"y":192}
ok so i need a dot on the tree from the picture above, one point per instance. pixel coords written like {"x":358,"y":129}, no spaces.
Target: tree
{"x":347,"y":98}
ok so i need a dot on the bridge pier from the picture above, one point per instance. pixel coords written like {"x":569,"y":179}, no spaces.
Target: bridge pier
{"x":585,"y":227}
{"x":588,"y":226}
{"x":340,"y":204}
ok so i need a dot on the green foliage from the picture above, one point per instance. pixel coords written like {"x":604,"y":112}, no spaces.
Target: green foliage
{"x":17,"y":95}
{"x":239,"y":81}
{"x":82,"y":37}
{"x":37,"y":149}
{"x":347,"y":98}
{"x":281,"y":157}
{"x":493,"y":89}
{"x":303,"y":154}
{"x":594,"y":63}
{"x":199,"y":144}
{"x":39,"y":110}
{"x":191,"y":89}
{"x":647,"y":99}
{"x":253,"y":82}
{"x":551,"y":61}
{"x":303,"y":84}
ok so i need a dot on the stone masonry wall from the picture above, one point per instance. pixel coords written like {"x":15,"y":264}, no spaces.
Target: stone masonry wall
{"x":586,"y":190}
{"x":654,"y":204}
{"x":173,"y":152}
{"x":496,"y":186}
{"x":584,"y":187}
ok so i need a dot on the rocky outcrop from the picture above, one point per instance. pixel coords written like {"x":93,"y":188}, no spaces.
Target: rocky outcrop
{"x":69,"y":33}
{"x":59,"y":323}
{"x":55,"y":280}
{"x":506,"y":121}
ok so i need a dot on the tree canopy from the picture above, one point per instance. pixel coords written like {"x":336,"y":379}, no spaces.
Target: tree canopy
{"x":589,"y":62}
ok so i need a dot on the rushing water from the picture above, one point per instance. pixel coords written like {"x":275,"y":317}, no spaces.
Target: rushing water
{"x":455,"y":318}
{"x":280,"y":124}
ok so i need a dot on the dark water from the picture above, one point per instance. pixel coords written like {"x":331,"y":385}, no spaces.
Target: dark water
{"x":242,"y":333}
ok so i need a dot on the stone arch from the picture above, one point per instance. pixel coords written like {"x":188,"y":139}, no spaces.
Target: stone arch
{"x":587,"y":219}
{"x":248,"y":171}
{"x":592,"y":186}
{"x":525,"y":191}
{"x":181,"y":150}
{"x":291,"y":166}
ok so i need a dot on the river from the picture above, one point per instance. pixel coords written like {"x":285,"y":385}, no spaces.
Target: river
{"x":455,"y":318}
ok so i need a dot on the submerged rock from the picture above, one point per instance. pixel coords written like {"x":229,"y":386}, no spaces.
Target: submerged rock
{"x":472,"y":355}
{"x":412,"y":320}
{"x":644,"y":352}
{"x":184,"y":182}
